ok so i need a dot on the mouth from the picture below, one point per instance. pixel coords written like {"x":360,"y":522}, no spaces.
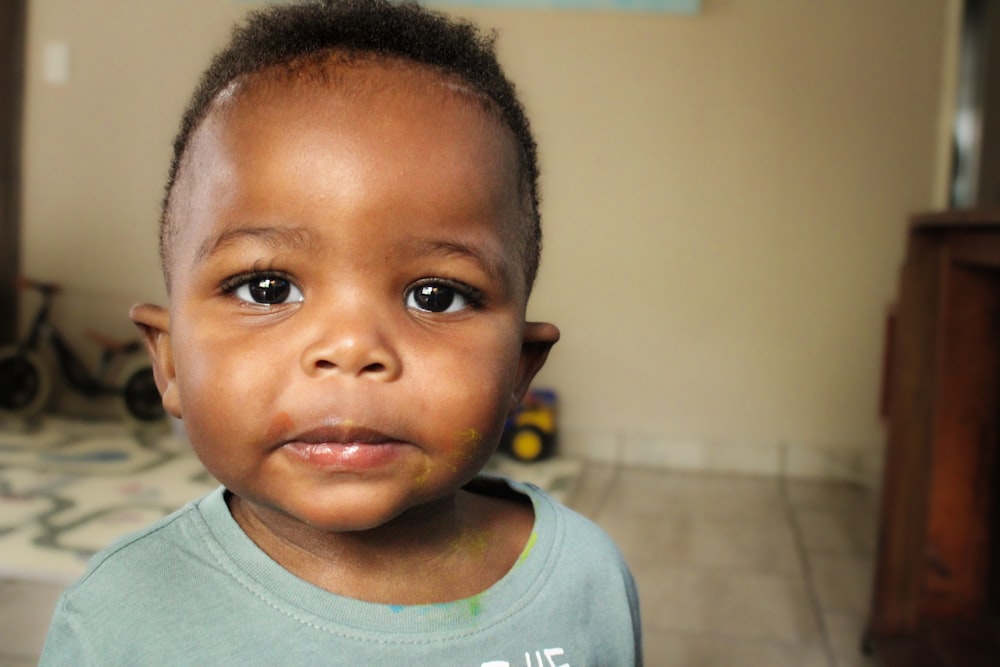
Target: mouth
{"x":343,"y":435}
{"x":345,"y":448}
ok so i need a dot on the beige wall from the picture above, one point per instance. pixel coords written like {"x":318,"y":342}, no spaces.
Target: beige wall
{"x":725,"y":198}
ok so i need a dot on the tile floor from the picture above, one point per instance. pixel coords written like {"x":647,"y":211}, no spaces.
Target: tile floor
{"x":732,"y":571}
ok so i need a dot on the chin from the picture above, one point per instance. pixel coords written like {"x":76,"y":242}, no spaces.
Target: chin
{"x":354,"y":514}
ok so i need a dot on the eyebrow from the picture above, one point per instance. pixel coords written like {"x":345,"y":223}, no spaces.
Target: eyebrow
{"x":273,"y":237}
{"x":493,"y":265}
{"x":297,"y":238}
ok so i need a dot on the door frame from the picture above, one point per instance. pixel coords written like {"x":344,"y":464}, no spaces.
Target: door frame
{"x":13,"y":38}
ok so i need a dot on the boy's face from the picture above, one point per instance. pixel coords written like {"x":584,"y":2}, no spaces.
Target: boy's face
{"x":346,"y":326}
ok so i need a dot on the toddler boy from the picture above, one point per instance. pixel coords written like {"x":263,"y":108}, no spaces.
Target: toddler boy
{"x":349,"y":237}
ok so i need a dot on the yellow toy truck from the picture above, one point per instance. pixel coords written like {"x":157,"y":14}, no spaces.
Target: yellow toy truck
{"x":530,"y":433}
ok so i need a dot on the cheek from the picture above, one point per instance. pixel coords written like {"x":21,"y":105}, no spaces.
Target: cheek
{"x":213,"y":386}
{"x":471,"y":447}
{"x":213,"y":362}
{"x":466,"y":376}
{"x":460,"y":398}
{"x":281,"y":424}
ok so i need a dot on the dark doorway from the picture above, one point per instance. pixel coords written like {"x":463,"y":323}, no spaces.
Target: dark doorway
{"x":13,"y":22}
{"x":976,"y":130}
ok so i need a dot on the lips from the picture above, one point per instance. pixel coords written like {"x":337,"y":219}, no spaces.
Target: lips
{"x":344,"y":448}
{"x":344,"y":435}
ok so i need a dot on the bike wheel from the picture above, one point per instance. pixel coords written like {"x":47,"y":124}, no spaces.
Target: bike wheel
{"x":25,"y":384}
{"x":140,"y":399}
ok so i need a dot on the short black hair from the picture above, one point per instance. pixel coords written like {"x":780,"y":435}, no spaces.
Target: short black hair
{"x":288,"y":33}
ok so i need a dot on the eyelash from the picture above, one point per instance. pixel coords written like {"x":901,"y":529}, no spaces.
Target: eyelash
{"x":474,"y":296}
{"x":233,"y":283}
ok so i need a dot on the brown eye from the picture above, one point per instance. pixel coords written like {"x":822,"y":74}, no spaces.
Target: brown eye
{"x":268,"y":291}
{"x":437,"y":297}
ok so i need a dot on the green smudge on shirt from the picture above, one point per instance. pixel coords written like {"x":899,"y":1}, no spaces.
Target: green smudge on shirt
{"x":475,"y":604}
{"x":527,"y":548}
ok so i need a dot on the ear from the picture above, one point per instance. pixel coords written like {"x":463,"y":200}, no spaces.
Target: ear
{"x":154,"y":324}
{"x":539,"y":337}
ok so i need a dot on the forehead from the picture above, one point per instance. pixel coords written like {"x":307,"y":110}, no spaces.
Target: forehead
{"x":360,"y":93}
{"x":364,"y":124}
{"x":360,"y":97}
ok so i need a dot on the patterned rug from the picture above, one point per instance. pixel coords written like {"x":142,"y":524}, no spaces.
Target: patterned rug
{"x":68,"y":488}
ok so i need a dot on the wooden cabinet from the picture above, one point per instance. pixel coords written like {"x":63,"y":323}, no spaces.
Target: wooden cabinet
{"x":936,"y":598}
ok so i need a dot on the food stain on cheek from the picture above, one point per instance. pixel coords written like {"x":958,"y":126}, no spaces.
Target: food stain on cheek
{"x":466,"y":449}
{"x":423,"y":476}
{"x":470,"y":437}
{"x":281,"y":425}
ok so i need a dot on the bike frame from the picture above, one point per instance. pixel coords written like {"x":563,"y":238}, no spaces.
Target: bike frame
{"x":72,"y":368}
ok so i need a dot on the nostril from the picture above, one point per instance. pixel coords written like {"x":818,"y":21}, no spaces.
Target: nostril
{"x":325,"y":364}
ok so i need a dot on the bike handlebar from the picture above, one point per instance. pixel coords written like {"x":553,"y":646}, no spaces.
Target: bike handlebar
{"x":24,"y":282}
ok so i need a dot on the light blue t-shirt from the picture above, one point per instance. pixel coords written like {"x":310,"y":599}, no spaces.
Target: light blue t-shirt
{"x":193,"y":589}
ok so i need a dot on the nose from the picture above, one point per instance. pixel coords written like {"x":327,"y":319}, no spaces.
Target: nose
{"x":353,"y":343}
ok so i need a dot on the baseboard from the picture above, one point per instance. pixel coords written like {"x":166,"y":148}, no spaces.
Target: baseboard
{"x":855,"y":464}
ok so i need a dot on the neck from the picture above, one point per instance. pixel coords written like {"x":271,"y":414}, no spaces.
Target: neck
{"x":448,"y":549}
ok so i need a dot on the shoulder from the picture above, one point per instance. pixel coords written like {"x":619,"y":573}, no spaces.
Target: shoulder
{"x":146,"y":556}
{"x":172,"y":574}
